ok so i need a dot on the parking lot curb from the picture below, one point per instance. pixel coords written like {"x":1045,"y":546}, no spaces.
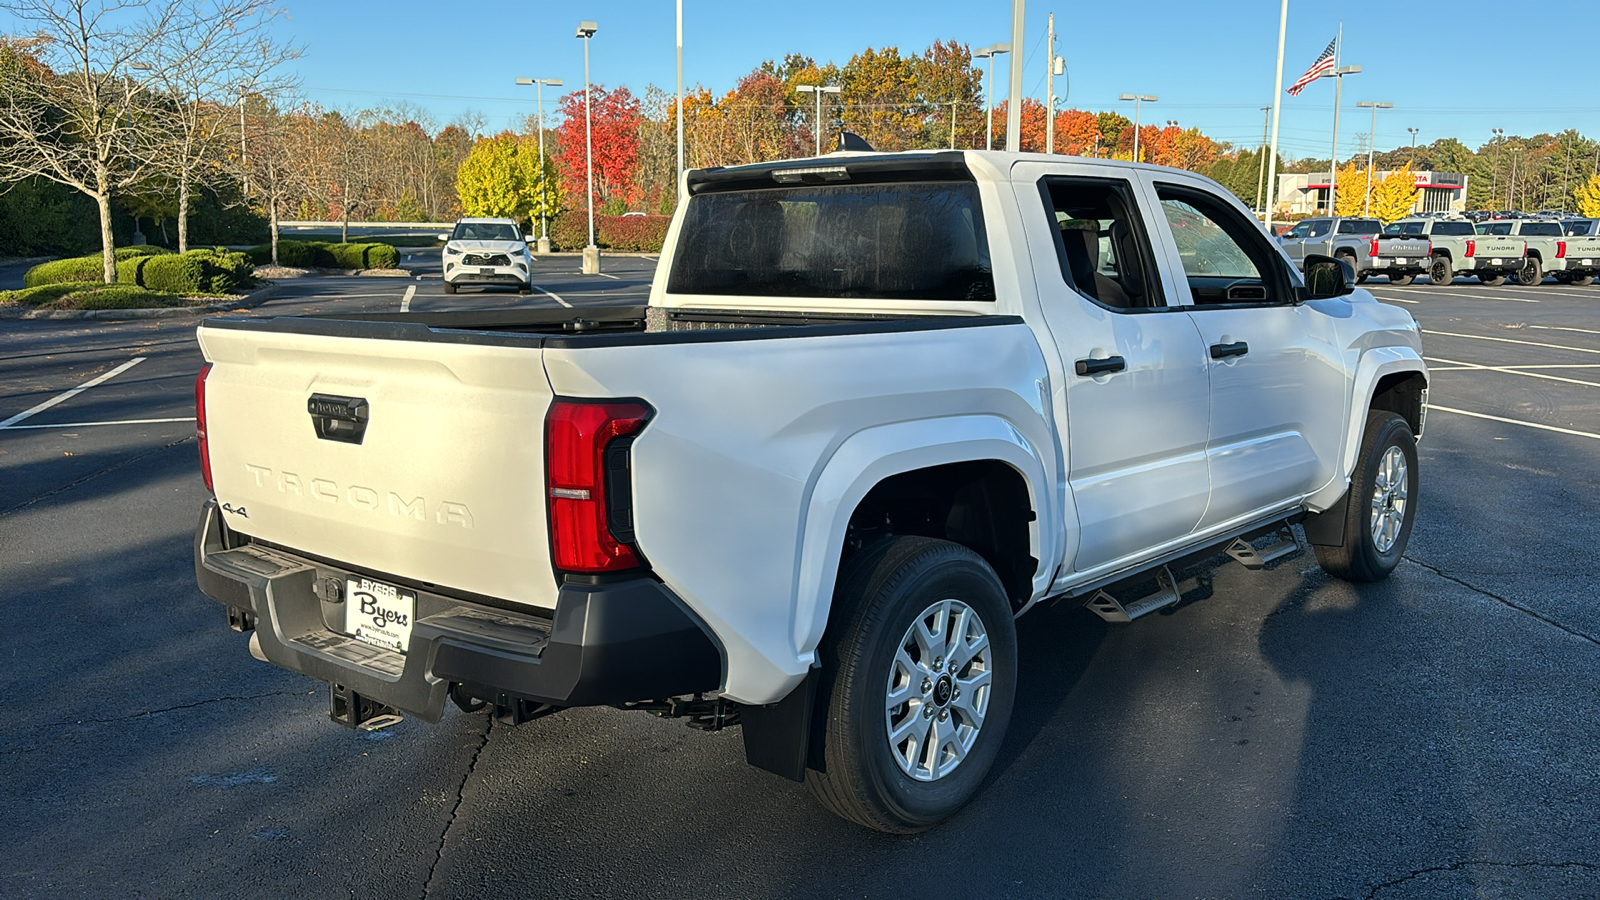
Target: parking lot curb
{"x":255,"y":298}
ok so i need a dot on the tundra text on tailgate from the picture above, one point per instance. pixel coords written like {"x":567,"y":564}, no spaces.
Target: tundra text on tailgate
{"x":877,"y":407}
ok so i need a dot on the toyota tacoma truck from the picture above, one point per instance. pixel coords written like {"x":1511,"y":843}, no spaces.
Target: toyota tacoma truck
{"x":877,"y":407}
{"x":1442,"y":248}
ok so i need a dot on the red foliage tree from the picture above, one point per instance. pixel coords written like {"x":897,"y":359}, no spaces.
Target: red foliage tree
{"x":615,"y":117}
{"x":1033,"y":125}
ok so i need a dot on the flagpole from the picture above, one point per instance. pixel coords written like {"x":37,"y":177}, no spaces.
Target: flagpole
{"x":1338,"y":90}
{"x":1277,"y":102}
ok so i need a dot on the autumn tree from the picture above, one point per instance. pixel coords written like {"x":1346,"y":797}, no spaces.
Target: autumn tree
{"x":1033,"y":125}
{"x":1588,"y":197}
{"x":881,"y":100}
{"x":1350,"y":191}
{"x":270,"y":135}
{"x":1077,"y":132}
{"x":1395,"y":194}
{"x":615,"y":117}
{"x":500,"y":178}
{"x":951,"y":91}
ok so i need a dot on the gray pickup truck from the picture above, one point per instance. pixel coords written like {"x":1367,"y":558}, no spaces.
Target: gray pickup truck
{"x":1346,"y":239}
{"x":1452,"y":245}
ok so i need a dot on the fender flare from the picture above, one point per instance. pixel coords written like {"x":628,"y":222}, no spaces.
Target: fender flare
{"x":867,"y":458}
{"x":1374,"y":365}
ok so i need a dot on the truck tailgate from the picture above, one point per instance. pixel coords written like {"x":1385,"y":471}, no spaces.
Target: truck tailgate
{"x":446,"y":484}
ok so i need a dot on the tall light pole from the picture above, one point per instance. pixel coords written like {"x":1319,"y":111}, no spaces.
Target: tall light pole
{"x":1058,"y":66}
{"x":1372,"y":139}
{"x":1014,"y":93}
{"x":1277,"y":109}
{"x":989,"y":53}
{"x":680,"y":96}
{"x":1138,"y":102}
{"x":591,"y":253}
{"x":544,"y":219}
{"x":1261,"y":175}
{"x":1413,"y":144}
{"x":1511,"y":183}
{"x":1339,"y":73}
{"x":819,"y":90}
{"x":1494,"y":181}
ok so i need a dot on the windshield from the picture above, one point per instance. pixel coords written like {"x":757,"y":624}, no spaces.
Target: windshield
{"x":1359,"y":226}
{"x":902,"y":241}
{"x":485,"y":231}
{"x":1397,"y":229}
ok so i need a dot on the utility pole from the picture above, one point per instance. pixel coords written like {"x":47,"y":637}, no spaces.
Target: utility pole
{"x":1511,"y":184}
{"x":953,"y":123}
{"x":1277,"y":109}
{"x":1494,"y":181}
{"x":680,"y":96}
{"x":1014,"y":95}
{"x":1261,"y":174}
{"x":1050,"y":89}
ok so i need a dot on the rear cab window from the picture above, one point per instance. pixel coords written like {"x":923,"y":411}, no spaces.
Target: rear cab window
{"x":1453,"y":229}
{"x":1541,"y":229}
{"x":826,"y":233}
{"x":1399,"y":229}
{"x":1360,"y":226}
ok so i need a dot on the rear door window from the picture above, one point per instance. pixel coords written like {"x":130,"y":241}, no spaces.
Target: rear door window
{"x":900,"y":241}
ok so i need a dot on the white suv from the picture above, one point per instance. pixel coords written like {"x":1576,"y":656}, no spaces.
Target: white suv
{"x":487,"y":251}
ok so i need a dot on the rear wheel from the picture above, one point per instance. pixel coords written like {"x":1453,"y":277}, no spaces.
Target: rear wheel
{"x":1382,"y":504}
{"x":1492,"y":280}
{"x":1531,"y":273}
{"x":1440,"y":271}
{"x":449,"y":288}
{"x":918,"y":679}
{"x":1402,"y":280}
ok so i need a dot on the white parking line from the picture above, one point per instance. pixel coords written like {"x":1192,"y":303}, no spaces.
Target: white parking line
{"x":1478,"y":292}
{"x":553,"y":295}
{"x":1563,"y":328}
{"x":1447,"y":368}
{"x":604,"y":275}
{"x":68,"y":395}
{"x":1462,"y":412}
{"x":95,"y":424}
{"x":405,"y":302}
{"x":1509,"y":370}
{"x":1479,"y":337}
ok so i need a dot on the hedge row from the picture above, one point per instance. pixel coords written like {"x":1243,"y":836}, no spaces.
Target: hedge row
{"x":569,"y":230}
{"x":322,"y":255}
{"x":88,"y":269}
{"x":218,"y":271}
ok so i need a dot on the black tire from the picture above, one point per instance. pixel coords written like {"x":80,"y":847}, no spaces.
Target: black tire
{"x":1359,"y":557}
{"x":525,"y":287}
{"x":1492,"y":280}
{"x":881,"y":594}
{"x":1531,"y":273}
{"x":1401,"y":280}
{"x":1361,"y":278}
{"x":449,"y":288}
{"x":1582,"y":280}
{"x":1440,"y":272}
{"x":1351,"y":259}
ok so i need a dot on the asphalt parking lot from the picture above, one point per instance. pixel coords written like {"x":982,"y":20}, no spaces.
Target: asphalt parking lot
{"x":1277,"y":734}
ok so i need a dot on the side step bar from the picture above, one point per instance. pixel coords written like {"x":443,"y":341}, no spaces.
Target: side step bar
{"x":1255,"y":560}
{"x":1114,"y":611}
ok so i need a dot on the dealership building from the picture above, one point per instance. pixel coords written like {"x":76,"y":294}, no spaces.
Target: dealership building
{"x":1306,"y":194}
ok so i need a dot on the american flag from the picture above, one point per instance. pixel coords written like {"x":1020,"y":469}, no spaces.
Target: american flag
{"x":1323,"y":66}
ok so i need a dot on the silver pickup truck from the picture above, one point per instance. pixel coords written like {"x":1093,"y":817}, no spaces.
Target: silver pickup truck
{"x":1346,"y":239}
{"x":1451,"y":246}
{"x":1550,"y":250}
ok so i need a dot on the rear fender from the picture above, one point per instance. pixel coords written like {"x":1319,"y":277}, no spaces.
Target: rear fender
{"x":870,"y":456}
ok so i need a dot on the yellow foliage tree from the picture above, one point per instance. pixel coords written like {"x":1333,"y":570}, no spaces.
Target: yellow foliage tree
{"x":1393,"y":197}
{"x":1588,"y":197}
{"x":1350,"y":192}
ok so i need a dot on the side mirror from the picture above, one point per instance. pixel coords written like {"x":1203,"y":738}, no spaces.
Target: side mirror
{"x":445,"y":237}
{"x":529,"y":238}
{"x":1327,"y":277}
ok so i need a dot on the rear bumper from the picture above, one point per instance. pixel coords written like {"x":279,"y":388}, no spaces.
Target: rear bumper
{"x":605,"y":643}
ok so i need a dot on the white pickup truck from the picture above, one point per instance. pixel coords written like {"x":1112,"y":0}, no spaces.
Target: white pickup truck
{"x":877,"y":407}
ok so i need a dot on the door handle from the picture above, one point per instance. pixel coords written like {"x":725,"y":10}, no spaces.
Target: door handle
{"x":1223,"y":351}
{"x":1101,"y":366}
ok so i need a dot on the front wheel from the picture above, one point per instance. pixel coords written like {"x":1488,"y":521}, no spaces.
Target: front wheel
{"x":1382,"y":504}
{"x":919,"y":672}
{"x":1531,"y":273}
{"x":449,"y":288}
{"x":1440,"y":272}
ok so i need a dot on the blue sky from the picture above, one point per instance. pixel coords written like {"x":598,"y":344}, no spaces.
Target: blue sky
{"x":1209,"y":61}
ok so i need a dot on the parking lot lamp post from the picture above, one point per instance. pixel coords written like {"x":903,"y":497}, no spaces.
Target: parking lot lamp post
{"x":1511,"y":183}
{"x":1338,"y":94}
{"x":1372,"y":139}
{"x":1413,"y":144}
{"x":1494,"y":181}
{"x":591,"y":253}
{"x":819,"y":90}
{"x":1138,"y":102}
{"x":989,"y":53}
{"x":544,"y":218}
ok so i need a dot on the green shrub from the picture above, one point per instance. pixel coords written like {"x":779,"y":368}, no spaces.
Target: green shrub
{"x":138,"y":250}
{"x":382,"y":256}
{"x":323,"y":255}
{"x":569,"y":230}
{"x":174,"y":274}
{"x":78,"y":296}
{"x":632,"y":233}
{"x":84,"y":269}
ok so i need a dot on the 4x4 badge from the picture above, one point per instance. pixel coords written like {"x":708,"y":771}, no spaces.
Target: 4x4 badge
{"x":236,"y":510}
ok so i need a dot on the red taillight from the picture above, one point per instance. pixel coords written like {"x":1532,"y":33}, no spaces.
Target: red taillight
{"x":581,"y":451}
{"x":1373,"y":250}
{"x":1561,"y":250}
{"x":200,"y":424}
{"x":1472,"y":247}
